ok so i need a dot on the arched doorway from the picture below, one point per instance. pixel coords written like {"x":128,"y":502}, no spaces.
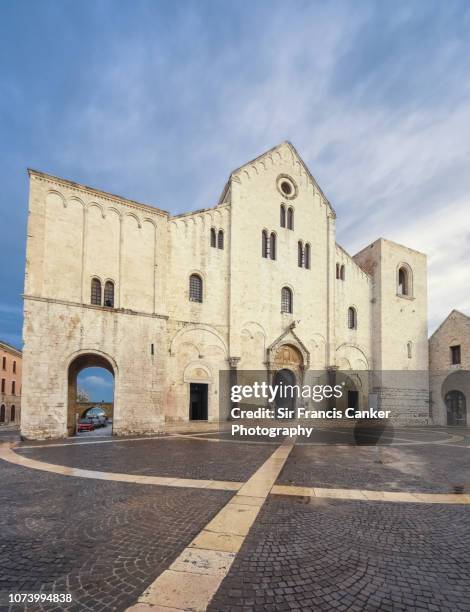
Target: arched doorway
{"x":286,"y":396}
{"x":2,"y":413}
{"x":90,"y":408}
{"x":12,"y":413}
{"x":456,"y":408}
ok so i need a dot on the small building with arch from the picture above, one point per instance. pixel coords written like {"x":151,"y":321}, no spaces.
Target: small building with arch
{"x":166,"y":302}
{"x":449,"y":369}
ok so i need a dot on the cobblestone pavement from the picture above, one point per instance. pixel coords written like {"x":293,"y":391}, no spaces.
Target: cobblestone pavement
{"x":423,"y":468}
{"x":358,"y":556}
{"x":106,"y":541}
{"x":170,"y":457}
{"x":101,"y":541}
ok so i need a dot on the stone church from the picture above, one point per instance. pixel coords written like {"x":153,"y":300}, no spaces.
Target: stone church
{"x":165,"y":302}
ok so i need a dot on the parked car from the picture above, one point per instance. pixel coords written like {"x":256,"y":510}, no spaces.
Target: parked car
{"x":97,"y":416}
{"x":85,"y":425}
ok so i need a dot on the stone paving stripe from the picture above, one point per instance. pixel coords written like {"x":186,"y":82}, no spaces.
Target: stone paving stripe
{"x":247,"y":500}
{"x":210,"y":540}
{"x":195,"y":576}
{"x":234,"y":519}
{"x":181,"y":591}
{"x":201,"y":561}
{"x":363,"y":494}
{"x":8,"y":454}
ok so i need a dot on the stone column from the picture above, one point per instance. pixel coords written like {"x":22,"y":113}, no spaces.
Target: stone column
{"x":233,"y":380}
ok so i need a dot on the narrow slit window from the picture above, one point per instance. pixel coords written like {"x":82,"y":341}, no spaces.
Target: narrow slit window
{"x":307,"y":256}
{"x":272,"y":246}
{"x":286,"y":300}
{"x":300,"y":254}
{"x":264,"y":244}
{"x":109,"y":294}
{"x":96,"y":291}
{"x":352,"y":318}
{"x":290,"y":218}
{"x":195,"y":288}
{"x":283,"y":215}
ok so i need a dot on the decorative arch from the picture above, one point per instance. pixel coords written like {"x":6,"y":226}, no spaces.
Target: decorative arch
{"x":58,"y":194}
{"x":100,"y":207}
{"x":341,"y":352}
{"x":196,"y":371}
{"x":207,"y":328}
{"x":135,"y":217}
{"x":74,"y":199}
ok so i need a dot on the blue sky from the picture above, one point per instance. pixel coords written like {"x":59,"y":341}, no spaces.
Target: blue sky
{"x":159,"y":101}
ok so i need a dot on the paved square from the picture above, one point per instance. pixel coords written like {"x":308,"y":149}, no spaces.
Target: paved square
{"x":106,"y":542}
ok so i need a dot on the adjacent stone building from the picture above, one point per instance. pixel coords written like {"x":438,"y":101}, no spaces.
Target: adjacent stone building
{"x":10,"y":384}
{"x":166,"y":302}
{"x":449,"y":362}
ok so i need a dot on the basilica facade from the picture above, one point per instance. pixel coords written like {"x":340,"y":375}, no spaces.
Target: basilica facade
{"x":165,"y":303}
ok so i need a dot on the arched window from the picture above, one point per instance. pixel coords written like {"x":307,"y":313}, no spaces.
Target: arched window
{"x":338,"y":273}
{"x":343,"y":272}
{"x":286,"y":300}
{"x":220,"y":239}
{"x":12,"y":414}
{"x":264,"y":244}
{"x":409,"y":348}
{"x":290,"y":218}
{"x":195,"y":288}
{"x":109,"y":294}
{"x":283,"y":215}
{"x":404,"y":281}
{"x":3,"y":385}
{"x":213,"y":237}
{"x":352,"y":318}
{"x":307,"y":256}
{"x":13,"y":387}
{"x":2,"y":413}
{"x":272,"y":245}
{"x":4,"y":363}
{"x":96,"y":291}
{"x":14,"y":367}
{"x":300,"y":254}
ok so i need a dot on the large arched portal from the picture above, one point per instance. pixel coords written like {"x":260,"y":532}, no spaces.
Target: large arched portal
{"x":456,"y":408}
{"x":284,"y":382}
{"x":89,"y":385}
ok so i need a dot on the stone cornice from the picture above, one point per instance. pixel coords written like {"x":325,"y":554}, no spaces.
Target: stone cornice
{"x":120,"y":311}
{"x":104,"y":195}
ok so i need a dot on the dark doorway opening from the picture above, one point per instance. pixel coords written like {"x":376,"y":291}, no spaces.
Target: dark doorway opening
{"x":456,"y":408}
{"x":353,"y":399}
{"x":198,"y":402}
{"x":285,"y":396}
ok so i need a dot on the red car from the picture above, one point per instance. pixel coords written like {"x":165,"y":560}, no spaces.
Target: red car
{"x":85,"y":425}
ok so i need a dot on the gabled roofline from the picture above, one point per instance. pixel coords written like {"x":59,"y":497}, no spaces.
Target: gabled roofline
{"x":296,"y":153}
{"x":453,"y":311}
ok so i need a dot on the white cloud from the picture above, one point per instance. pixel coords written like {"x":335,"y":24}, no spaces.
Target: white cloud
{"x":97,"y":381}
{"x":374,"y":99}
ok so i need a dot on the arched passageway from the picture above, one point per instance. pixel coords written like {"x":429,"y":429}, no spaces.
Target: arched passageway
{"x":90,"y":382}
{"x":456,"y":406}
{"x":455,"y":392}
